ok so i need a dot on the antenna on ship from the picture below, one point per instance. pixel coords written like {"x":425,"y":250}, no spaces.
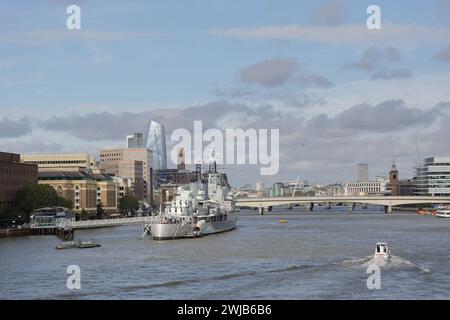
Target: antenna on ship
{"x":212,"y":162}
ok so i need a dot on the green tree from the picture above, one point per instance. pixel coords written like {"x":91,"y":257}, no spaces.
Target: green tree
{"x":100,"y":210}
{"x":84,"y":214}
{"x":34,"y":196}
{"x":63,"y":202}
{"x":128,"y":203}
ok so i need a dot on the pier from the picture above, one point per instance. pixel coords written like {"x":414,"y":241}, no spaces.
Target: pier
{"x":65,"y":229}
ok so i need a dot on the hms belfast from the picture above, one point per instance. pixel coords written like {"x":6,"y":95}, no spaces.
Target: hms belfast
{"x":199,"y":208}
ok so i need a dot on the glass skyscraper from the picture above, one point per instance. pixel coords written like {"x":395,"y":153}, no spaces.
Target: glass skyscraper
{"x":156,"y":142}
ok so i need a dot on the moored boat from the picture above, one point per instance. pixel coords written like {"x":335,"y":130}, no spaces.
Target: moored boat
{"x":200,"y":208}
{"x":80,"y":244}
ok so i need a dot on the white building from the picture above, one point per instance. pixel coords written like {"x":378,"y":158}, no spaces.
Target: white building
{"x":433,"y":177}
{"x":365,"y":188}
{"x":259,"y":186}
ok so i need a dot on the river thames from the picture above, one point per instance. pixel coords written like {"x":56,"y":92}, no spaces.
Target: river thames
{"x":318,"y":255}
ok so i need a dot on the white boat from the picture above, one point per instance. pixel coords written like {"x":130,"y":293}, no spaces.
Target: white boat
{"x":443,"y":214}
{"x":382,"y":251}
{"x":443,"y":211}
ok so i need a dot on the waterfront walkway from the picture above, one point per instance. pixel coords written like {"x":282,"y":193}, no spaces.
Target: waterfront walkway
{"x":85,"y":224}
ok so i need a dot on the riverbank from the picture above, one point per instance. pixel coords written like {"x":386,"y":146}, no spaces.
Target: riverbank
{"x":15,"y":232}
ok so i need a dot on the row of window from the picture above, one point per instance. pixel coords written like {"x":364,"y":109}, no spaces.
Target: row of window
{"x":58,"y":162}
{"x":13,"y":182}
{"x":18,"y":171}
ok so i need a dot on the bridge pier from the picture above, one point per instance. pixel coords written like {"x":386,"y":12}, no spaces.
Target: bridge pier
{"x":387,"y":209}
{"x":328,"y":206}
{"x":353,"y":206}
{"x":261,"y":211}
{"x":311,"y":206}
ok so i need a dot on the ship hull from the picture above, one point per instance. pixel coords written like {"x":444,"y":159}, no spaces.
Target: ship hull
{"x":167,"y":231}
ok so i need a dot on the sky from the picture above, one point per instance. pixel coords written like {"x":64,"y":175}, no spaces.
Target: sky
{"x":339,"y":94}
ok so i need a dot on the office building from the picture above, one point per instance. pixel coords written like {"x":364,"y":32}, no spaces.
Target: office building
{"x":13,"y":176}
{"x":156,"y":142}
{"x":135,"y":140}
{"x":134,"y":163}
{"x":433,"y":177}
{"x":362,"y":172}
{"x":59,"y":160}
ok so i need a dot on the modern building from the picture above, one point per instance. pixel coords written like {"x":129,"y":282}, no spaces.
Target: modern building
{"x":433,"y":177}
{"x":13,"y":176}
{"x":86,"y":188}
{"x":134,"y":163}
{"x":156,"y":142}
{"x":135,"y":140}
{"x":276,"y":190}
{"x":362,"y":172}
{"x":59,"y":160}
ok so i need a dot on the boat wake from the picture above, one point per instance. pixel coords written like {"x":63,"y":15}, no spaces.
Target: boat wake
{"x":394,"y":262}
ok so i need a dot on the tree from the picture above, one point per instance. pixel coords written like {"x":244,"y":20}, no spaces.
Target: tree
{"x":35,"y":196}
{"x":63,"y":202}
{"x":83,"y":215}
{"x":100,"y":210}
{"x":128,"y":203}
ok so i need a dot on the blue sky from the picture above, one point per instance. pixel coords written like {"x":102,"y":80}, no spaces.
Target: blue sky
{"x":154,"y":56}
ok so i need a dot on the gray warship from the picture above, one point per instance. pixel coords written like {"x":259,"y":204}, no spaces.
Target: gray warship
{"x":200,"y":208}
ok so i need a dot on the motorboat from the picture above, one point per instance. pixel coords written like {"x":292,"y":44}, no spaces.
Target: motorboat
{"x":382,"y":251}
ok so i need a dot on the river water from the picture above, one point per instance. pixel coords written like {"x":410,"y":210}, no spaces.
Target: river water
{"x":319,"y":255}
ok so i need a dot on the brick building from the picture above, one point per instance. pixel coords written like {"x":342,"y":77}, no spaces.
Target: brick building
{"x":13,"y":176}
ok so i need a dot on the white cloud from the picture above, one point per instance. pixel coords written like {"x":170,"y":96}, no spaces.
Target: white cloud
{"x":406,"y":34}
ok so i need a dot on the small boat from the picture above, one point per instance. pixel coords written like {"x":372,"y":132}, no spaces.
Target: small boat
{"x":382,"y":251}
{"x":78,"y":244}
{"x":282,"y":220}
{"x":443,"y":214}
{"x":443,"y":211}
{"x":426,"y":212}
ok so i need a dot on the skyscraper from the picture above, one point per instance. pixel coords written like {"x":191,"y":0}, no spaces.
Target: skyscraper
{"x":362,"y":172}
{"x":156,"y":142}
{"x":135,"y":140}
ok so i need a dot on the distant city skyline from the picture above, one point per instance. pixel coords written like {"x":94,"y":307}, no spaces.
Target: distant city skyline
{"x":339,"y":93}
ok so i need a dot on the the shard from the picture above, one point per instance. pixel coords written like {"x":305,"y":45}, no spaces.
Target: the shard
{"x":156,"y":142}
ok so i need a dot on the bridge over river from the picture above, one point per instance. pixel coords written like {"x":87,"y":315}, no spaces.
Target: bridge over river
{"x":264,"y":204}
